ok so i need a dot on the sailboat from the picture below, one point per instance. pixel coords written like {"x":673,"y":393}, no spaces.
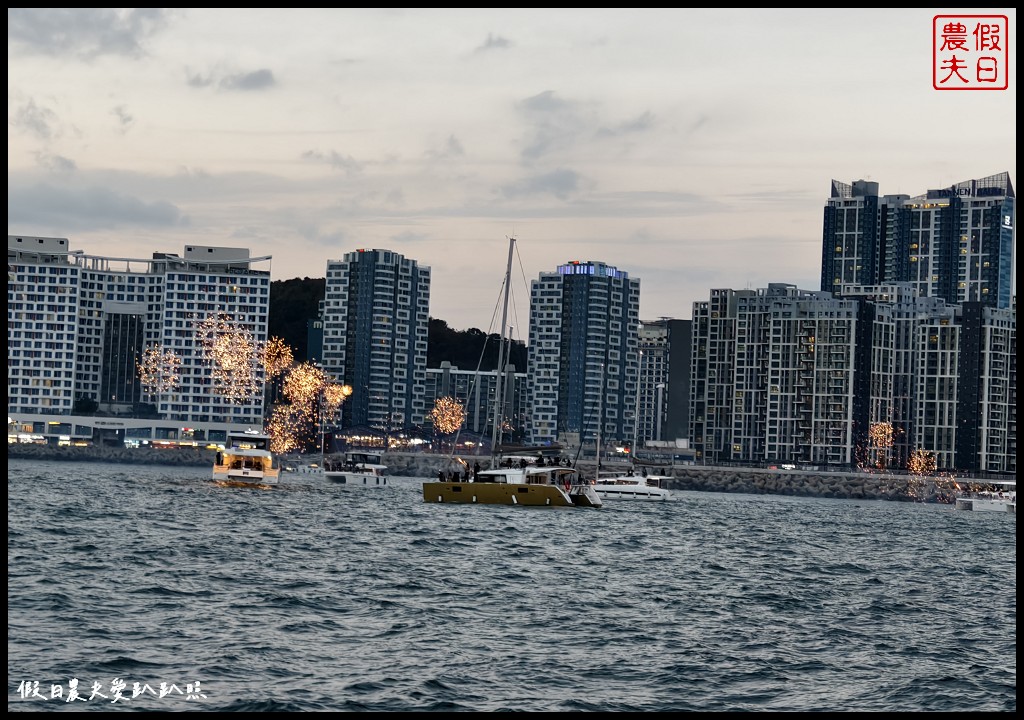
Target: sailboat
{"x":528,"y":483}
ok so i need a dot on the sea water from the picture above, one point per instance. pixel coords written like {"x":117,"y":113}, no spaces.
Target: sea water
{"x":152,"y":588}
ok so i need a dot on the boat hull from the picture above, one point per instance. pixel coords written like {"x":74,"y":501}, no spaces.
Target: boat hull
{"x":486,"y":493}
{"x":985,"y":505}
{"x":633,"y":494}
{"x":245,"y":477}
{"x":355,"y":478}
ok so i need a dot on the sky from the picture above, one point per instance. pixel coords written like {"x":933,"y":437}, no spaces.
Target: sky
{"x":692,"y":149}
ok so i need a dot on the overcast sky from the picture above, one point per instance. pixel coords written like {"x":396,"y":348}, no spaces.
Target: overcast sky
{"x":693,"y":149}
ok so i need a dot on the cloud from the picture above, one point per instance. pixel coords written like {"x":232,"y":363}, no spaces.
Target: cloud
{"x":84,"y":209}
{"x":84,"y":33}
{"x":38,"y":121}
{"x":557,"y":125}
{"x":349,"y":164}
{"x":56,"y":163}
{"x":494,"y":42}
{"x":451,"y":148}
{"x":643,"y":123}
{"x":124,"y":118}
{"x":545,"y":102}
{"x":198,"y":81}
{"x":560,"y":183}
{"x":256,"y":80}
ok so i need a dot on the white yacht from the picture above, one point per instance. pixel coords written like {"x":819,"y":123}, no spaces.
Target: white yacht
{"x":633,"y":486}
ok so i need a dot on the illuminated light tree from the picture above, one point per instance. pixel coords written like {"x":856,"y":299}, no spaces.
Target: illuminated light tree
{"x":159,"y":370}
{"x":235,"y":357}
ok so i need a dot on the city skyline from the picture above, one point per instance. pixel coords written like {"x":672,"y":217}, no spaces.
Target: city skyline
{"x":692,"y":149}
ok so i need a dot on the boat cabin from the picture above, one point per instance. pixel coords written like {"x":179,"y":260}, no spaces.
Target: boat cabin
{"x":248,"y":440}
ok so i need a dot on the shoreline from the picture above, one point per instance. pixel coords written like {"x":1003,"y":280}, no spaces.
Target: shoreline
{"x":755,"y":481}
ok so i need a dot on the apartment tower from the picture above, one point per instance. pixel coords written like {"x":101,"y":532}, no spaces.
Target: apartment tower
{"x":583,"y":358}
{"x":375,"y":322}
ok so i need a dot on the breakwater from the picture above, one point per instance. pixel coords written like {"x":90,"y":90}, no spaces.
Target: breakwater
{"x":857,"y":486}
{"x":185,"y":456}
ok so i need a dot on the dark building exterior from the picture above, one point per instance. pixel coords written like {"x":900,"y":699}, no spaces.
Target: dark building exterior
{"x":954,"y":243}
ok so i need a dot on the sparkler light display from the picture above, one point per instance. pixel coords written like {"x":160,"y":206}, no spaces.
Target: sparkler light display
{"x":881,"y":436}
{"x":334,"y":396}
{"x":312,"y":399}
{"x":159,"y":370}
{"x":448,"y":415}
{"x":921,"y":462}
{"x":233,"y":354}
{"x":283,"y":427}
{"x":302,"y":386}
{"x":277,"y":357}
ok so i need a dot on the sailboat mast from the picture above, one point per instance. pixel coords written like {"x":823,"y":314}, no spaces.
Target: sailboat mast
{"x":600,"y":423}
{"x":636,"y":412}
{"x":498,"y":390}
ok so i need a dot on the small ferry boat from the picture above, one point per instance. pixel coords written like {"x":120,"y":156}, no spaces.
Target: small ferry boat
{"x":356,"y":468}
{"x":999,"y":496}
{"x":633,"y":487}
{"x":246,"y":460}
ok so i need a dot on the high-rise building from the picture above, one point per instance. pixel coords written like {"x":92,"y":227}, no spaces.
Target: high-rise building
{"x":582,"y":364}
{"x":664,"y":386}
{"x":954,"y":243}
{"x":375,"y":322}
{"x":652,"y":392}
{"x":78,"y":326}
{"x":782,"y":375}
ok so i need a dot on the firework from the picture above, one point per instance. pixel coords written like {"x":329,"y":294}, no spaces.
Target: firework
{"x":312,"y":398}
{"x":159,"y":370}
{"x":921,"y":462}
{"x":881,"y":434}
{"x":302,"y":386}
{"x":233,"y":354}
{"x":334,"y":396}
{"x":448,"y":415}
{"x":277,"y":357}
{"x":287,"y":429}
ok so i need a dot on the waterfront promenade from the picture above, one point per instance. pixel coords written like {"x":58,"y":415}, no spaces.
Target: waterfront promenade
{"x":848,"y":485}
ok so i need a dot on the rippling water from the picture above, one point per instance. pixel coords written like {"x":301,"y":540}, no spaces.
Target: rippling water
{"x":313,"y":596}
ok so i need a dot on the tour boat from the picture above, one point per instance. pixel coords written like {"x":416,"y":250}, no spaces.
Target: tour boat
{"x":634,"y":487}
{"x":246,"y":460}
{"x":356,"y":468}
{"x":1003,"y":499}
